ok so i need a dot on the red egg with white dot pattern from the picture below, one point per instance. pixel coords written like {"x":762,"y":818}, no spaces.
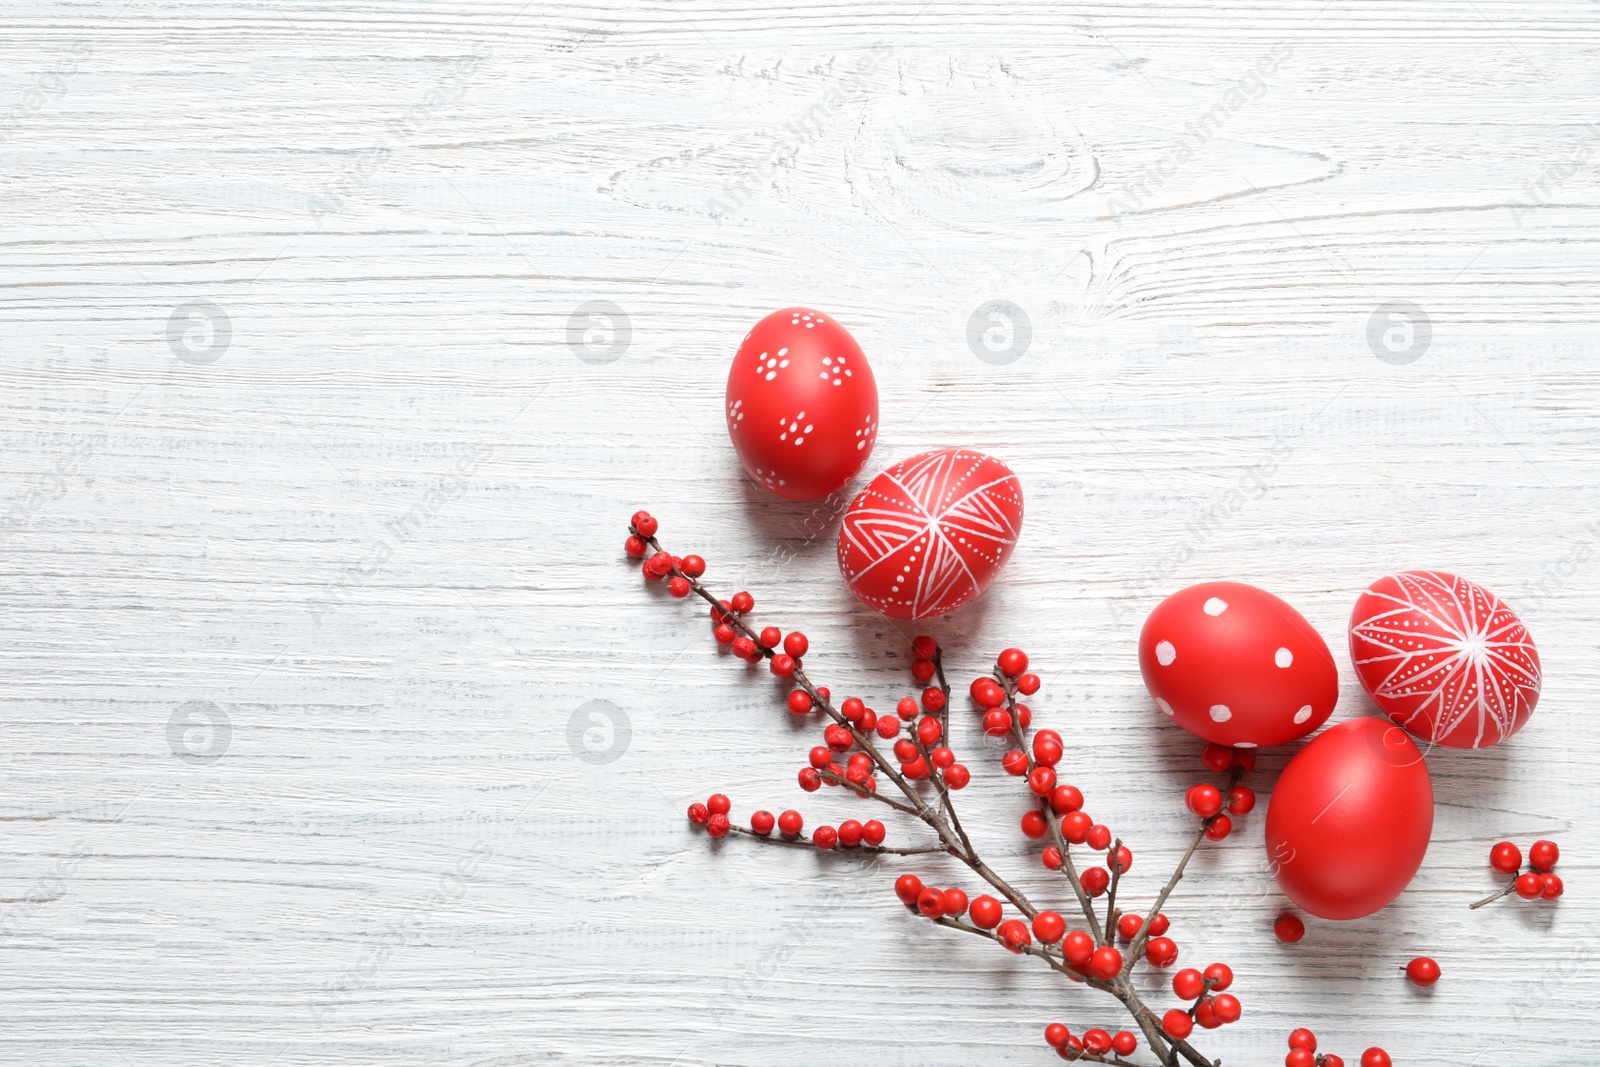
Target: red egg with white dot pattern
{"x":930,"y":533}
{"x":802,"y":405}
{"x":1445,"y":658}
{"x":1236,"y":665}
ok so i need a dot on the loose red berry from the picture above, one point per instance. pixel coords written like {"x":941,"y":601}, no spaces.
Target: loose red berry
{"x":1056,"y":1034}
{"x":1220,"y":827}
{"x":1078,"y":947}
{"x":1128,"y":926}
{"x":644,"y":523}
{"x":1188,"y":984}
{"x":635,"y":546}
{"x":1205,"y":1013}
{"x":1052,"y":858}
{"x":1160,"y":924}
{"x":1176,"y":1023}
{"x":1013,"y":661}
{"x":1529,"y":886}
{"x":1049,"y":927}
{"x":1552,"y":886}
{"x":1376,"y":1057}
{"x":1289,"y":928}
{"x":1033,"y":825}
{"x":790,"y":822}
{"x":1075,"y":827}
{"x":1299,"y":1057}
{"x":1303,"y":1038}
{"x":1161,"y":951}
{"x":1543,"y":855}
{"x":1097,"y":1041}
{"x":957,"y":776}
{"x":1099,"y":837}
{"x":1015,"y":762}
{"x":924,"y":646}
{"x":1014,"y":935}
{"x":1227,"y":1008}
{"x":1122,"y":1042}
{"x":1220,"y":975}
{"x":782,"y":665}
{"x":1120,"y":860}
{"x":997,"y":722}
{"x":922,"y":670}
{"x":1506,"y":858}
{"x":698,"y":814}
{"x":1422,"y":971}
{"x":955,"y":901}
{"x":1204,"y":800}
{"x":810,"y":780}
{"x":850,"y":833}
{"x":718,"y":825}
{"x":1095,"y":880}
{"x":928,"y":730}
{"x":908,"y":887}
{"x":1066,"y":798}
{"x":931,"y":902}
{"x":1217,"y":757}
{"x":744,"y":648}
{"x":799,"y":701}
{"x":742,"y":603}
{"x":986,"y":912}
{"x":933,"y":698}
{"x":1241,"y":800}
{"x":724,"y":634}
{"x":1042,"y":782}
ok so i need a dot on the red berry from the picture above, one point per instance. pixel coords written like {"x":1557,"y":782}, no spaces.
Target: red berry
{"x":1052,"y":858}
{"x":1049,"y":927}
{"x":1042,"y":781}
{"x":1161,"y":951}
{"x":1506,"y":858}
{"x":825,"y":837}
{"x":822,"y":691}
{"x":906,"y":709}
{"x":931,"y":902}
{"x":986,"y":912}
{"x":1047,"y":747}
{"x":658,"y":566}
{"x":698,"y":814}
{"x":717,"y":804}
{"x":1075,"y":827}
{"x":1245,"y":758}
{"x":1095,"y":880}
{"x":1330,"y":1060}
{"x":762,"y":822}
{"x":744,"y":648}
{"x":1160,"y":924}
{"x":908,"y":887}
{"x":1122,"y":1042}
{"x":1097,"y":1041}
{"x":1552,"y":886}
{"x":1099,"y":837}
{"x":1128,"y":926}
{"x":1376,"y":1057}
{"x":888,"y":726}
{"x":1024,"y":716}
{"x":1078,"y":947}
{"x":922,"y":670}
{"x":724,"y":634}
{"x":852,"y":708}
{"x":1304,"y":1039}
{"x":1241,"y":800}
{"x":997,"y":722}
{"x":1065,"y":798}
{"x":820,"y":756}
{"x":644,"y":523}
{"x":838,"y":737}
{"x":933,"y":698}
{"x":924,"y":646}
{"x":1014,"y":935}
{"x":1188,"y":984}
{"x":917,"y":769}
{"x":955,"y":901}
{"x":718,"y":825}
{"x":1013,"y":661}
{"x":1217,"y":757}
{"x":1543,"y":855}
{"x":1299,"y":1057}
{"x":957,"y":776}
{"x":986,"y":693}
{"x":1204,"y":800}
{"x":1422,"y":971}
{"x":771,"y":637}
{"x":742,"y":603}
{"x":1220,"y":975}
{"x":1055,"y":1035}
{"x":782,"y":665}
{"x":942,"y":757}
{"x":693,"y":566}
{"x":1106,"y":963}
{"x":1033,"y":825}
{"x":850,"y":833}
{"x":1120,"y":860}
{"x":1015,"y":762}
{"x":905,"y":750}
{"x":796,"y":644}
{"x":1289,"y":928}
{"x":1176,"y":1023}
{"x":1205,"y":1013}
{"x":928,"y":730}
{"x":1227,"y":1008}
{"x":1220,"y":828}
{"x":799,"y":701}
{"x":1529,"y":886}
{"x":790,"y":822}
{"x":810,"y":780}
{"x":635,"y":546}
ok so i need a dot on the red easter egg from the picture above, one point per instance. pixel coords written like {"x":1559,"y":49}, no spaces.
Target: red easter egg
{"x":802,"y":405}
{"x":930,"y":533}
{"x":1445,"y":658}
{"x":1235,"y":665}
{"x":1349,"y":821}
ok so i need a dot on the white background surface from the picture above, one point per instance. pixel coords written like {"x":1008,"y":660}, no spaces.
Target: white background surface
{"x":397,"y":856}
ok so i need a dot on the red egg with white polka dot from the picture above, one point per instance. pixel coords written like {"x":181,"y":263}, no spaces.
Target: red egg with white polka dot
{"x":1236,"y":665}
{"x":930,"y":533}
{"x":1445,"y":658}
{"x":802,"y":405}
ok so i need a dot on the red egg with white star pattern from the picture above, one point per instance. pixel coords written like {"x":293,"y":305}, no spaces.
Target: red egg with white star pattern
{"x":930,"y":533}
{"x":1445,"y":658}
{"x":1235,"y":665}
{"x":802,"y":405}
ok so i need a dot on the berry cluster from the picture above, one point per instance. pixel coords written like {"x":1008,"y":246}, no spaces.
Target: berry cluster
{"x":1210,"y":1011}
{"x":1093,"y":1045}
{"x":1537,"y":882}
{"x":1303,"y":1053}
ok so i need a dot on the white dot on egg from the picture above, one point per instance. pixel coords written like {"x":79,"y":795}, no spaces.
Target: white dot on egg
{"x":1244,"y":744}
{"x":1283,"y":657}
{"x":1303,"y":714}
{"x":1165,"y":653}
{"x":1215,"y":606}
{"x":1221,"y":713}
{"x":1166,"y":709}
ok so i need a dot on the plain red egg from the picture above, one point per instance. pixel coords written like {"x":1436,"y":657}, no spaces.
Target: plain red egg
{"x":1445,"y":658}
{"x":1235,"y":665}
{"x":802,"y":405}
{"x":1350,"y":818}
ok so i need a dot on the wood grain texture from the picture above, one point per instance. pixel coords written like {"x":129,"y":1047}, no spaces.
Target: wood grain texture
{"x":304,"y":610}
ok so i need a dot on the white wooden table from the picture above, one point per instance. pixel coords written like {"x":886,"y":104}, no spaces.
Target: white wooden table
{"x":314,"y":491}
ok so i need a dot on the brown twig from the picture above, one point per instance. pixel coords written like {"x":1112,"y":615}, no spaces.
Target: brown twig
{"x":804,"y":841}
{"x":1492,"y":897}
